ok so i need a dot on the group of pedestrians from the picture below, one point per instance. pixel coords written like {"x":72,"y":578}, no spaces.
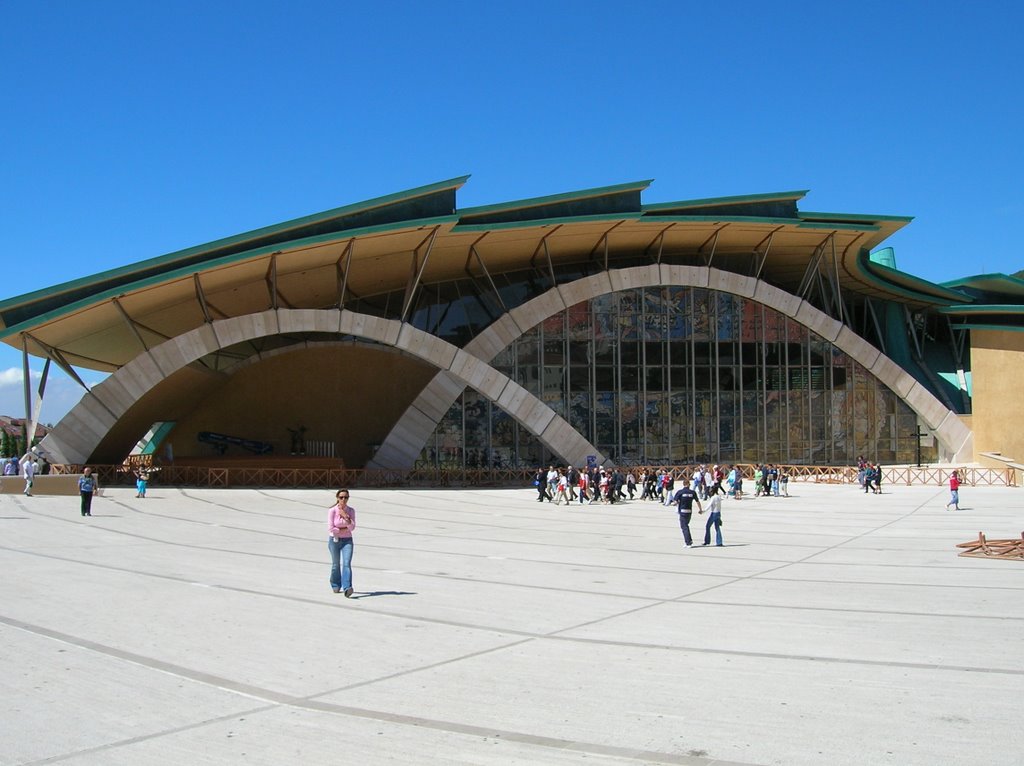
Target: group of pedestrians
{"x":771,"y":481}
{"x":869,"y":476}
{"x":704,"y":484}
{"x":584,"y":485}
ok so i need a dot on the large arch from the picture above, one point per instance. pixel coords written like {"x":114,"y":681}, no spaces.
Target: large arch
{"x":82,"y":429}
{"x":402,"y":447}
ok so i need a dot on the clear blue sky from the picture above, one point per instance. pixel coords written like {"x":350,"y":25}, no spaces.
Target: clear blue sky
{"x":135,"y":129}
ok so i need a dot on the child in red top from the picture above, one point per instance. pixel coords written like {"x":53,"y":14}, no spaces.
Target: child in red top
{"x":954,"y":491}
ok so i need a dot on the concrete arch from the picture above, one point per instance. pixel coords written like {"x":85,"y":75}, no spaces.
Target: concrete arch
{"x":302,"y":345}
{"x":954,"y":438}
{"x":82,"y":429}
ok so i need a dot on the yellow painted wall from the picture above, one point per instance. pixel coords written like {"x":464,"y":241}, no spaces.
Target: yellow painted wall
{"x":347,"y":394}
{"x":170,"y":400}
{"x":997,"y":373}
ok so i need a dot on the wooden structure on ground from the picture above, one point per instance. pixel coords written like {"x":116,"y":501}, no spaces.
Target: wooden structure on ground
{"x":983,"y":548}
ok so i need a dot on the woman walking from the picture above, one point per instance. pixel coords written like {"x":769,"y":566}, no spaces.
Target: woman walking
{"x":584,"y":485}
{"x":341,"y":523}
{"x":714,"y":516}
{"x":562,"y":488}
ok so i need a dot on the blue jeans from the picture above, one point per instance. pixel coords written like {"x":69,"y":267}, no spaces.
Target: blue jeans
{"x":684,"y":524}
{"x":341,"y":562}
{"x":713,"y":518}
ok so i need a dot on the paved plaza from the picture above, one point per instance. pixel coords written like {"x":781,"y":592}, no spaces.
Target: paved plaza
{"x":198,"y":627}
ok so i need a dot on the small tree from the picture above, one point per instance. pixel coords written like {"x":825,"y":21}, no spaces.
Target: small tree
{"x":5,"y":444}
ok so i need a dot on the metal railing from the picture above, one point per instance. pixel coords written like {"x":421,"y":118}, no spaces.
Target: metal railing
{"x":298,"y":477}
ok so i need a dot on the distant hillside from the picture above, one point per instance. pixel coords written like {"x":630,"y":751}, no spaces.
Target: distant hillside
{"x":1019,"y":274}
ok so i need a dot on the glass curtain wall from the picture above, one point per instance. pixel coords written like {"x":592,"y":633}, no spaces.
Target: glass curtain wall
{"x":674,"y":375}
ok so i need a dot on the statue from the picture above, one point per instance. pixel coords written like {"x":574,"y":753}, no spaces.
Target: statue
{"x":298,"y":440}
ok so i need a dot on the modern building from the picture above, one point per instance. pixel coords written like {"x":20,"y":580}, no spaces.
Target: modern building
{"x":404,"y":331}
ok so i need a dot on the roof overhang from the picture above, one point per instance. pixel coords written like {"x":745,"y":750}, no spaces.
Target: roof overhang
{"x":381,"y":246}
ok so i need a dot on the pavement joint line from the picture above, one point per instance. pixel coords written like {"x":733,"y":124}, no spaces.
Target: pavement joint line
{"x":152,"y":735}
{"x":653,"y":601}
{"x":451,"y":577}
{"x":888,"y":583}
{"x":545,"y":518}
{"x":799,"y":607}
{"x":312,"y":703}
{"x":432,"y":575}
{"x":752,"y":576}
{"x":761,"y":686}
{"x":529,"y":635}
{"x":519,"y":559}
{"x":193,"y":546}
{"x":844,"y":538}
{"x":422,"y":668}
{"x":823,"y":659}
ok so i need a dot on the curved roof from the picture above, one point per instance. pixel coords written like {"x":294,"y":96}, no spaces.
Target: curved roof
{"x":389,"y":245}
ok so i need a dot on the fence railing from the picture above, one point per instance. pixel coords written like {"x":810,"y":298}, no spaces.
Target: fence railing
{"x":298,"y":477}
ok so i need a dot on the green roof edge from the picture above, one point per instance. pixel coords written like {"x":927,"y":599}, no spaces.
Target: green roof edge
{"x":760,"y":219}
{"x":855,"y":217}
{"x":294,"y":223}
{"x":867,"y":269}
{"x":968,"y":281}
{"x":983,"y":326}
{"x":984,"y":308}
{"x":225,"y":260}
{"x":539,"y":222}
{"x":599,"y":191}
{"x":734,"y":200}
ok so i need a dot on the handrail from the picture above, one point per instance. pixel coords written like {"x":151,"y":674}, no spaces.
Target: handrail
{"x":432,"y":476}
{"x":1003,"y":459}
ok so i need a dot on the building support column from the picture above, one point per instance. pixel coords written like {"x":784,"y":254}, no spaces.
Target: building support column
{"x":410,"y":290}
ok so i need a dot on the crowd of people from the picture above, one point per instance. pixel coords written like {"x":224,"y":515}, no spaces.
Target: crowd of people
{"x":595,"y":484}
{"x":700,"y":484}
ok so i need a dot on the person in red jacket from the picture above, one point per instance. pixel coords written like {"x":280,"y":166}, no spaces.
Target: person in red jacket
{"x":954,"y":491}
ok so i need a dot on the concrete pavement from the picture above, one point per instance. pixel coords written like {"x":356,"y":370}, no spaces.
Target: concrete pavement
{"x":198,"y":626}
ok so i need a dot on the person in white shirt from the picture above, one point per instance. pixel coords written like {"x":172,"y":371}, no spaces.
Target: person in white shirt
{"x":30,"y":472}
{"x":714,"y":515}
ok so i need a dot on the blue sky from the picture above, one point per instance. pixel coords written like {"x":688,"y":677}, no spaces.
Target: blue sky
{"x":134,"y":129}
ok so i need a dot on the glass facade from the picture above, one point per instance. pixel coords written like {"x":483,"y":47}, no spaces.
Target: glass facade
{"x":676,"y":375}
